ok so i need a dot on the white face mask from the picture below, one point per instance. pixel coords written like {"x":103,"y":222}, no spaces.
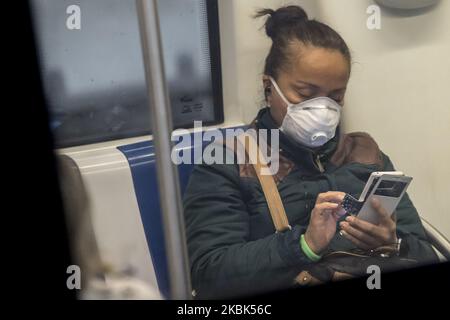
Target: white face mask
{"x":312,"y":122}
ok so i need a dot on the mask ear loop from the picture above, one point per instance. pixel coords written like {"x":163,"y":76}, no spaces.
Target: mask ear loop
{"x":277,"y":88}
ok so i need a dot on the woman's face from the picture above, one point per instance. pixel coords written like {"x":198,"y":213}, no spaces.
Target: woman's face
{"x":314,"y":72}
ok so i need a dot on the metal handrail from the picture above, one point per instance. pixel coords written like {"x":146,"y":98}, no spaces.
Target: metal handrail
{"x":167,"y":174}
{"x":437,"y":239}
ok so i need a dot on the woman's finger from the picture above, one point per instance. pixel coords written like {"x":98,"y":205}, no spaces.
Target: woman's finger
{"x":356,"y":241}
{"x":364,"y":226}
{"x":326,"y":206}
{"x":330,"y":196}
{"x":385,"y":218}
{"x":370,"y":241}
{"x":337,"y":214}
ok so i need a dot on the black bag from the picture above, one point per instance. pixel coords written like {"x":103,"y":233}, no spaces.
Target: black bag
{"x":341,"y":265}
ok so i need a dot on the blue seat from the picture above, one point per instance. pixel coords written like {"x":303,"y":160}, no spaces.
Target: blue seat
{"x":141,"y":158}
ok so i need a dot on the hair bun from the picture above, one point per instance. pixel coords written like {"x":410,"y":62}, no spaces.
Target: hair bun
{"x":284,"y":16}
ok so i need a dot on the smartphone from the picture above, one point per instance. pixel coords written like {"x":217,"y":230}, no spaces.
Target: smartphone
{"x":373,"y":179}
{"x":389,"y":190}
{"x":353,"y":206}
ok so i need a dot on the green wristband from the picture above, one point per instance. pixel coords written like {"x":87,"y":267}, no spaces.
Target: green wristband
{"x":307,"y":250}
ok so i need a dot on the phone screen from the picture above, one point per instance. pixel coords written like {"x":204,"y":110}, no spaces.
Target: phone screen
{"x":390,"y":188}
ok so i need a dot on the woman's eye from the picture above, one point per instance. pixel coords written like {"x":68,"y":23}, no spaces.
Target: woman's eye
{"x":305,"y":96}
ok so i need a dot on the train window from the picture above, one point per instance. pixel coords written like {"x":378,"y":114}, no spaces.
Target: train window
{"x":93,"y":72}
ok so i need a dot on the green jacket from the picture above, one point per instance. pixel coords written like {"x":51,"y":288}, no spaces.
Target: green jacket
{"x":232,"y":244}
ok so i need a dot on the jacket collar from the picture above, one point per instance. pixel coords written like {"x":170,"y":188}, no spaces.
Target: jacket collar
{"x":301,"y":155}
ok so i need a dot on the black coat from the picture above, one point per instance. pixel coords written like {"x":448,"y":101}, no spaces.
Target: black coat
{"x":232,"y":244}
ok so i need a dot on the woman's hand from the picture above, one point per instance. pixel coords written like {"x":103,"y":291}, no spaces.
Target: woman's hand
{"x":367,"y":235}
{"x":322,"y":224}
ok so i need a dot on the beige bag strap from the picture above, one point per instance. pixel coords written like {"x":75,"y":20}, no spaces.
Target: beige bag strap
{"x":267,"y":182}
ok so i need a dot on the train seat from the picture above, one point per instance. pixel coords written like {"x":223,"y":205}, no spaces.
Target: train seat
{"x":142,"y":161}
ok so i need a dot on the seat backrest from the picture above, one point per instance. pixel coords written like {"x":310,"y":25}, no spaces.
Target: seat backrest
{"x":142,"y":161}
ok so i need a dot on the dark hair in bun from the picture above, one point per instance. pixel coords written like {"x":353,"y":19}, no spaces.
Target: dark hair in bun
{"x":292,"y":23}
{"x":281,"y":19}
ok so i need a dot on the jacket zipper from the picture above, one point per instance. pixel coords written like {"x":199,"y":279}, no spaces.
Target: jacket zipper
{"x":319,"y":164}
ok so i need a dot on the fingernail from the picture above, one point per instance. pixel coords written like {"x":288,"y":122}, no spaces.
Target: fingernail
{"x":341,"y":212}
{"x":349,"y":219}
